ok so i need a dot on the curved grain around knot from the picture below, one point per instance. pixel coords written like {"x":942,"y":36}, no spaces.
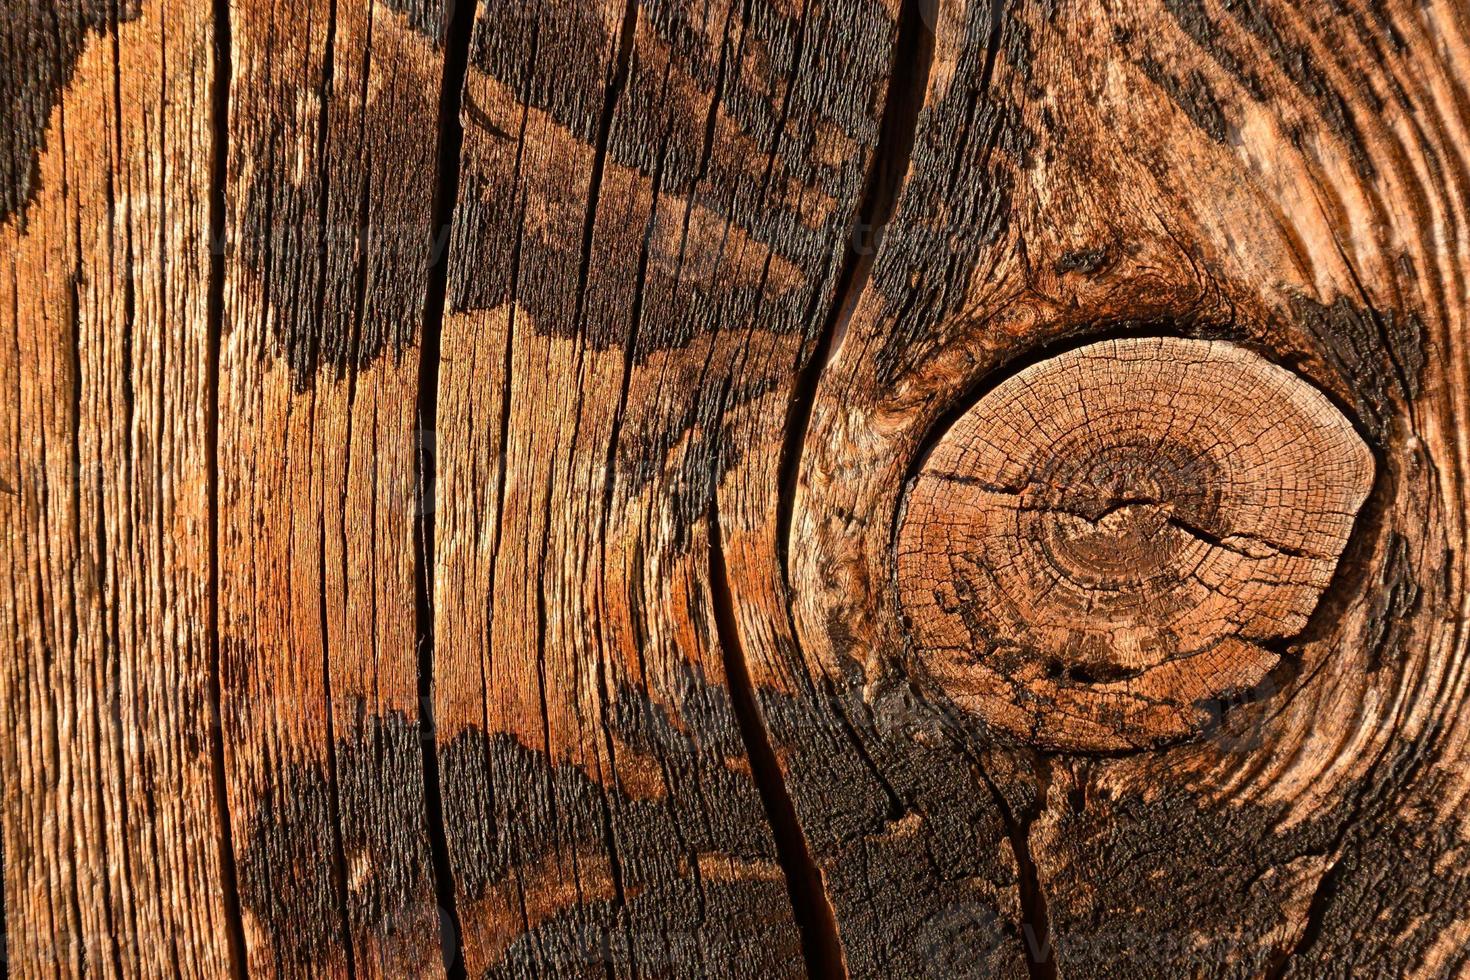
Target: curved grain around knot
{"x":1106,"y":540}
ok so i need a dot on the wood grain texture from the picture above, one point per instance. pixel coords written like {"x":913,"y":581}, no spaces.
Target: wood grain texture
{"x":112,"y":862}
{"x":926,"y":488}
{"x":333,"y":115}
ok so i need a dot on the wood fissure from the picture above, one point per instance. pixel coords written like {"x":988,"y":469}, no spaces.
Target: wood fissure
{"x":219,"y":122}
{"x":111,"y":627}
{"x":458,"y":31}
{"x":913,"y":54}
{"x":338,"y":856}
{"x":820,"y":943}
{"x":97,"y":579}
{"x":334,"y":795}
{"x":1034,"y":920}
{"x":622,"y":65}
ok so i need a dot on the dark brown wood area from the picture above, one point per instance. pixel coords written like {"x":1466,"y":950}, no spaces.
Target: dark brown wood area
{"x":757,"y":488}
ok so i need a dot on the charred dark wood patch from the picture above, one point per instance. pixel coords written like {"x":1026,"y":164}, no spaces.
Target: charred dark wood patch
{"x":739,"y":937}
{"x":40,"y":42}
{"x":699,"y":889}
{"x":1191,"y":92}
{"x":1084,"y":262}
{"x":284,"y":881}
{"x":956,"y":203}
{"x":912,"y":847}
{"x":1378,"y":357}
{"x":292,"y":889}
{"x":337,"y":267}
{"x":1234,"y":886}
{"x":1396,"y":598}
{"x":1290,"y":55}
{"x":1414,"y":853}
{"x":431,"y":18}
{"x":735,"y":162}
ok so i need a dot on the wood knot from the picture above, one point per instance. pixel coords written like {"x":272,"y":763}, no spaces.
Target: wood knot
{"x":1099,"y":547}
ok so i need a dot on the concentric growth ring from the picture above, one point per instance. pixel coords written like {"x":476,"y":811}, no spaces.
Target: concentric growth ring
{"x":1102,"y":542}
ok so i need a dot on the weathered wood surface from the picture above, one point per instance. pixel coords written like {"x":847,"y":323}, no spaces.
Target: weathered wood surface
{"x":332,"y":111}
{"x":652,"y":209}
{"x":751,"y":487}
{"x":112,"y":853}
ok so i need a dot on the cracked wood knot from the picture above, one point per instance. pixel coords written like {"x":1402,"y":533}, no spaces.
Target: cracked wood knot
{"x":1102,"y":545}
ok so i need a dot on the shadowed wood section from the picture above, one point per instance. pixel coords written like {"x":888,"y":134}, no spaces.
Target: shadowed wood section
{"x":112,"y":862}
{"x":654,"y":202}
{"x":1099,"y":547}
{"x":330,"y":174}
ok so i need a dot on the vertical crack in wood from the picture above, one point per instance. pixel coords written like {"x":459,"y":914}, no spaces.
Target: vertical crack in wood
{"x":334,"y":796}
{"x":1035,"y":919}
{"x":620,"y":80}
{"x":622,"y":69}
{"x":1322,"y":896}
{"x":109,"y":623}
{"x":599,"y":159}
{"x":334,"y":803}
{"x":812,"y":908}
{"x":215,"y":315}
{"x":364,"y":243}
{"x":458,"y":27}
{"x":816,"y":918}
{"x":78,"y":588}
{"x":914,"y":48}
{"x":159,"y":405}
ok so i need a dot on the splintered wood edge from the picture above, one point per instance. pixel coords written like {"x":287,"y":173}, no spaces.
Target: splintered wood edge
{"x":1112,"y":537}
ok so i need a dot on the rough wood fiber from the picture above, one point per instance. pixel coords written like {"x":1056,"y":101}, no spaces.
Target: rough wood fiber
{"x":653,"y":206}
{"x":110,"y":836}
{"x":110,"y":829}
{"x":330,"y":174}
{"x":1289,"y":177}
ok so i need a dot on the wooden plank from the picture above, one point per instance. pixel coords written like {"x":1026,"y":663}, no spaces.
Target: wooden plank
{"x":1074,"y":585}
{"x":333,"y":125}
{"x":653,"y":205}
{"x":112,"y":857}
{"x":1288,"y":177}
